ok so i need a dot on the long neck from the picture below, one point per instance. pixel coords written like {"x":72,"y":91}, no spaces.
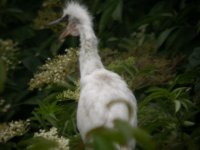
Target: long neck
{"x":89,"y":59}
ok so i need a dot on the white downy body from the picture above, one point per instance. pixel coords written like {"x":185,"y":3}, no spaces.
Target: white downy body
{"x":99,"y":87}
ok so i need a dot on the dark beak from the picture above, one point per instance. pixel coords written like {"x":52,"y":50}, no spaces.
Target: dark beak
{"x":57,"y":21}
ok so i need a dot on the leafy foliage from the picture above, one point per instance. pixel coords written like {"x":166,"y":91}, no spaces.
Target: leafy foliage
{"x":121,"y":133}
{"x":152,"y":44}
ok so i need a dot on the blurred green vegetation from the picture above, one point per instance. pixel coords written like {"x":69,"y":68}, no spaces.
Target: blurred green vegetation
{"x":153,"y":44}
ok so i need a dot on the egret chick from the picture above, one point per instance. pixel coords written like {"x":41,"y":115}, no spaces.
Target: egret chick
{"x":104,"y":95}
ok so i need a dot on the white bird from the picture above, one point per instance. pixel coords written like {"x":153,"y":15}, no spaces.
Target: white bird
{"x":104,"y":94}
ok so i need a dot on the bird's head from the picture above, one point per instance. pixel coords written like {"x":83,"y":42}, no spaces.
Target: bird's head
{"x":77,"y":17}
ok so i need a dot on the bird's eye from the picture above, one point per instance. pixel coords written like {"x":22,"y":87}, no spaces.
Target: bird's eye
{"x":66,"y":18}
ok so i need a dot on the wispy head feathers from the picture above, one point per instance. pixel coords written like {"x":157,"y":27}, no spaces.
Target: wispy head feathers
{"x":79,"y":12}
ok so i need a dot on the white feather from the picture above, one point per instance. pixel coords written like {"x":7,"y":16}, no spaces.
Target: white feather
{"x":99,"y":87}
{"x":79,"y":12}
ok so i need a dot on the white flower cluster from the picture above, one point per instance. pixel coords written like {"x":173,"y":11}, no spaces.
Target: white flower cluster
{"x":12,"y":129}
{"x":52,"y":135}
{"x":55,"y":70}
{"x":70,"y":94}
{"x":4,"y":107}
{"x":8,"y":53}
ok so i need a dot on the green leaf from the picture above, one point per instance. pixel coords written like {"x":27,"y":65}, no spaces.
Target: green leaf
{"x":100,"y":143}
{"x":163,"y":36}
{"x":188,"y":123}
{"x":105,"y":18}
{"x":157,"y":93}
{"x":31,"y":63}
{"x":117,"y":13}
{"x":143,"y":139}
{"x":39,"y":143}
{"x":55,"y":47}
{"x":109,"y":134}
{"x":124,"y":128}
{"x":177,"y":105}
{"x":128,"y":132}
